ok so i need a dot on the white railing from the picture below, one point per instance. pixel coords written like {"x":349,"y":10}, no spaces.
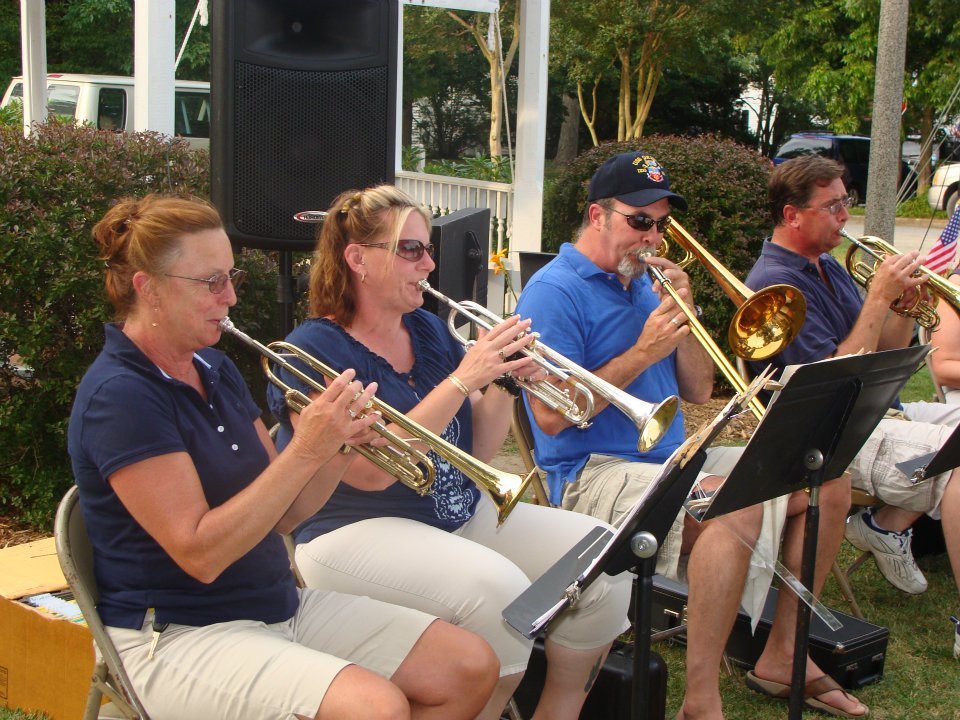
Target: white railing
{"x":444,"y":194}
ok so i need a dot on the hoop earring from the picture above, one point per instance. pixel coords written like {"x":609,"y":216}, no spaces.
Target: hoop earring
{"x":154,"y":323}
{"x":363,"y":278}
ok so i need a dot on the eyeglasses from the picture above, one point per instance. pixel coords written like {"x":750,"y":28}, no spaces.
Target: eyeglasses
{"x":644,"y":223}
{"x":834,"y":207}
{"x":409,"y":249}
{"x":218,"y":283}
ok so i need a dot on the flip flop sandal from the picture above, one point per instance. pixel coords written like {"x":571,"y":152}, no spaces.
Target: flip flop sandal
{"x":813,"y":689}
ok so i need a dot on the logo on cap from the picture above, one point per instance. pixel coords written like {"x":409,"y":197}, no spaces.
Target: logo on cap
{"x":648,"y":164}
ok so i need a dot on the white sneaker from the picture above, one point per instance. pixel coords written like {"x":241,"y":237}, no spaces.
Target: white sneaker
{"x":891,"y":552}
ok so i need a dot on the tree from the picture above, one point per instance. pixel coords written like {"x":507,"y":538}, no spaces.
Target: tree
{"x":490,"y":43}
{"x":839,"y":77}
{"x":635,"y":42}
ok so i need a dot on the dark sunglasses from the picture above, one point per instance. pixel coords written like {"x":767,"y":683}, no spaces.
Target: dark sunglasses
{"x":409,"y":249}
{"x":644,"y":223}
{"x":218,"y":283}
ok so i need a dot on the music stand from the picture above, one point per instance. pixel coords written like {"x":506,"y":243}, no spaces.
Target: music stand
{"x":640,"y":534}
{"x":814,"y":428}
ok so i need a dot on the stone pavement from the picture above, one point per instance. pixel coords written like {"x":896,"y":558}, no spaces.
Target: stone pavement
{"x":911,"y":233}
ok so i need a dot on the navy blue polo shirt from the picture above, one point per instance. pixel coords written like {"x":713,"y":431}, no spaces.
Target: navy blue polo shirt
{"x":453,"y":497}
{"x":588,"y":316}
{"x":832,"y":310}
{"x":128,"y":410}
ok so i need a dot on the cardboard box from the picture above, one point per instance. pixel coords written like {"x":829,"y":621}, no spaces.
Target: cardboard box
{"x":45,"y":662}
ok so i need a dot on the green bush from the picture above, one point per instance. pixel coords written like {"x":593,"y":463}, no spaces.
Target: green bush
{"x":54,"y":186}
{"x":725,"y":185}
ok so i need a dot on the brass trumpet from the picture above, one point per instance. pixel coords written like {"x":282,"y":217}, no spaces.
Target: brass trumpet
{"x":766,"y":321}
{"x":652,"y":421}
{"x":410,"y":466}
{"x":703,"y":337}
{"x":924,"y":310}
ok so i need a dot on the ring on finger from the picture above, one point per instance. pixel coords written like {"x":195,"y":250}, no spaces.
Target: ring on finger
{"x":675,"y":321}
{"x":502,"y":356}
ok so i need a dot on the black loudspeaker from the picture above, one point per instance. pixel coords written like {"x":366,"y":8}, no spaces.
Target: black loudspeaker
{"x":303,"y":106}
{"x":460,"y":242}
{"x":611,"y":697}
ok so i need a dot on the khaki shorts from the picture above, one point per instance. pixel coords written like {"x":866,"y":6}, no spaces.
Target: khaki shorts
{"x":936,"y":413}
{"x":247,"y":669}
{"x":608,"y":487}
{"x":893,"y":441}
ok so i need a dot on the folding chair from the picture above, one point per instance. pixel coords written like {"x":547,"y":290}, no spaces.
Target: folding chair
{"x":524,"y":438}
{"x":76,"y":560}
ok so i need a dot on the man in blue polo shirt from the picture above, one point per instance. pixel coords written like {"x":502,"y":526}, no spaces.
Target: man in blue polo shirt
{"x":809,"y":205}
{"x":596,"y":305}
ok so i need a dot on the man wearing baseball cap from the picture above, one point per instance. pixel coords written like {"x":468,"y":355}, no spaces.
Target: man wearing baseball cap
{"x":596,"y":305}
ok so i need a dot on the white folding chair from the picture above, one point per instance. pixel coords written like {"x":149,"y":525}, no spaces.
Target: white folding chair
{"x":76,"y":560}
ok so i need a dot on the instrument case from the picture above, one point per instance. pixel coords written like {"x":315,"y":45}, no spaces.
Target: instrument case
{"x":852,"y":655}
{"x":611,"y":696}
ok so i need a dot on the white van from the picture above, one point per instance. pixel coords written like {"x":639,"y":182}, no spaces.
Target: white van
{"x":106,"y":102}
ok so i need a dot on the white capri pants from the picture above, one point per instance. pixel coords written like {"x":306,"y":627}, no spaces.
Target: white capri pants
{"x":252,"y":670}
{"x":469,"y":576}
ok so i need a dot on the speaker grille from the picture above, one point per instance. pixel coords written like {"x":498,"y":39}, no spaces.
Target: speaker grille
{"x":305,"y":135}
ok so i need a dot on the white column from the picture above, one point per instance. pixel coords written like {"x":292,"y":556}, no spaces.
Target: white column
{"x":398,"y":125}
{"x":33,"y":48}
{"x":531,"y":126}
{"x":154,"y":47}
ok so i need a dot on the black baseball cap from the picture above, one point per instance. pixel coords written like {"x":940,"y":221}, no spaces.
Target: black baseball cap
{"x":634,"y":178}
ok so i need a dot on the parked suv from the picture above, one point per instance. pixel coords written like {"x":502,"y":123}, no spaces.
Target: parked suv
{"x":945,"y":188}
{"x":853,"y":151}
{"x":106,"y":102}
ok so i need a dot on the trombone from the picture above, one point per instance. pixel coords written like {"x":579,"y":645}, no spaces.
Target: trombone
{"x":766,"y":321}
{"x":703,"y":337}
{"x":652,"y":421}
{"x":924,"y":310}
{"x":399,"y":458}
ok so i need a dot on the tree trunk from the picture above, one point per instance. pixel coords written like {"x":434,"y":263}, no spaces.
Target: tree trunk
{"x":569,"y":130}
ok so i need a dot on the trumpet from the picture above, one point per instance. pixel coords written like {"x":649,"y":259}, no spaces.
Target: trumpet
{"x":766,"y":321}
{"x":924,"y":309}
{"x":700,"y":333}
{"x":399,"y":458}
{"x":651,"y":420}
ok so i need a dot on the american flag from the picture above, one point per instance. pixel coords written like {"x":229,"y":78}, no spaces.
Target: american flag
{"x":942,"y":253}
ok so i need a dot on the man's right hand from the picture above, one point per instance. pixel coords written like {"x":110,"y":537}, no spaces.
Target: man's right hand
{"x":896,"y":276}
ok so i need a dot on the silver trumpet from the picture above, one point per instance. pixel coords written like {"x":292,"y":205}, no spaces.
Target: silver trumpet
{"x":574,"y":400}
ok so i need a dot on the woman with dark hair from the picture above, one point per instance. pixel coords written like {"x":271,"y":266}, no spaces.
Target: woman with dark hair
{"x":183,"y":496}
{"x":443,"y":552}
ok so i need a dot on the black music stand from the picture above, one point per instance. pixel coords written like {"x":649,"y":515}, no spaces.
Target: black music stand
{"x":813,"y":429}
{"x":640,"y":534}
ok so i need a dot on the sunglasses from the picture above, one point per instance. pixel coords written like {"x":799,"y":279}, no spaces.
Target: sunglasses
{"x":409,"y":249}
{"x":218,"y":283}
{"x":644,"y":223}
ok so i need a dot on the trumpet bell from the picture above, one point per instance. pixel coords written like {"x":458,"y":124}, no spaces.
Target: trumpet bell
{"x":766,"y":322}
{"x":657,"y":423}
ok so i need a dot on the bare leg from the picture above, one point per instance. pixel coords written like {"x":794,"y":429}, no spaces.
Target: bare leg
{"x":950,"y":515}
{"x":776,"y":661}
{"x":717,"y":570}
{"x":570,"y":675}
{"x":449,"y":674}
{"x":895,"y":519}
{"x":356,"y":692}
